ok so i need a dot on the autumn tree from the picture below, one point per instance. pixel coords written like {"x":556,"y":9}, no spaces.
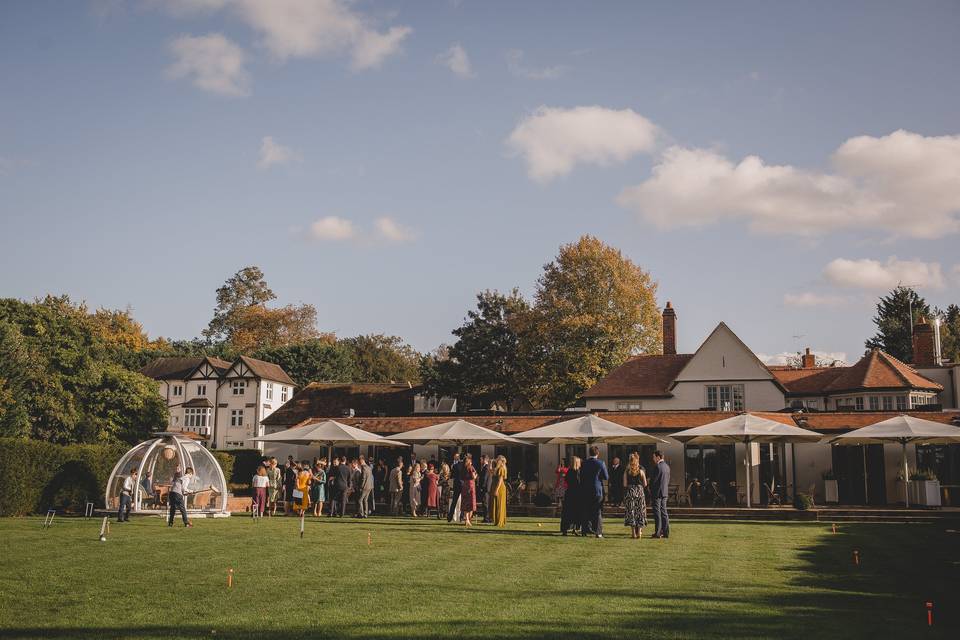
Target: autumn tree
{"x":317,"y":360}
{"x":893,"y":321}
{"x":243,"y":320}
{"x":380,"y":358}
{"x":593,"y":308}
{"x":482,"y":367}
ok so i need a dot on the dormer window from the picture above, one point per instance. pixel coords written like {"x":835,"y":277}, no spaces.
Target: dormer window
{"x":201,"y":390}
{"x":239,"y":387}
{"x":177,"y":390}
{"x":725,"y":397}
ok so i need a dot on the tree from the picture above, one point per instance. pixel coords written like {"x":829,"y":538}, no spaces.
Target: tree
{"x":950,"y":332}
{"x":893,"y":322}
{"x":380,"y":358}
{"x":316,"y":360}
{"x":593,"y":308}
{"x":242,"y":319}
{"x":482,"y":366}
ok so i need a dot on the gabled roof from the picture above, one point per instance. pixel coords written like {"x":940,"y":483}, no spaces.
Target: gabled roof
{"x":266,"y":370}
{"x":877,"y":370}
{"x":198,"y":402}
{"x":643,"y":376}
{"x":331,"y":400}
{"x":723,"y":328}
{"x":181,"y":368}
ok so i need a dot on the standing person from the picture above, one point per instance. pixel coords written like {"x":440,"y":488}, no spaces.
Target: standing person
{"x":273,"y":485}
{"x":616,"y":482}
{"x":498,"y":493}
{"x":413,"y":479}
{"x":366,"y":487}
{"x":381,"y":481}
{"x":126,"y":496}
{"x":318,"y":489}
{"x":146,"y":487}
{"x":659,"y":491}
{"x":634,"y":502}
{"x":468,"y":490}
{"x":431,"y":499}
{"x":571,"y":516}
{"x":355,"y":479}
{"x":289,"y":484}
{"x":344,"y":475}
{"x":592,"y":475}
{"x":260,"y":484}
{"x":444,"y":486}
{"x":560,"y":484}
{"x":483,"y":485}
{"x":178,"y":489}
{"x":455,"y":473}
{"x":332,"y":474}
{"x":395,"y":484}
{"x":302,"y":493}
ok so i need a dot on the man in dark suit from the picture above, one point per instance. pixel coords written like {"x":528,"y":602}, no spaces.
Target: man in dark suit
{"x":455,"y":472}
{"x":616,"y":482}
{"x":659,"y":491}
{"x":342,"y":485}
{"x":592,"y":475}
{"x":482,"y":473}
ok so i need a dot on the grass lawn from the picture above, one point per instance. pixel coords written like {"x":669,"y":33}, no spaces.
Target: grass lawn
{"x":426,"y":578}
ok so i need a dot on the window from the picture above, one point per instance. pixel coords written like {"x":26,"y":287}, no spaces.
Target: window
{"x":813,"y":404}
{"x":283,"y":394}
{"x":629,"y":406}
{"x":235,"y":443}
{"x":725,"y":397}
{"x":901,"y":403}
{"x":888,"y":403}
{"x":874,"y":403}
{"x":236,"y":418}
{"x":239,"y":387}
{"x":269,"y":391}
{"x":177,"y":390}
{"x":201,"y":389}
{"x":196,"y":417}
{"x":859,"y":403}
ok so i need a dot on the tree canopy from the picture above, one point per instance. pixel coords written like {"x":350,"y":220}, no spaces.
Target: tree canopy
{"x":893,"y":321}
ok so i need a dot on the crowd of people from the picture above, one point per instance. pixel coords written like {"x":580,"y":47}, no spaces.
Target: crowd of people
{"x":458,"y":491}
{"x":580,"y":489}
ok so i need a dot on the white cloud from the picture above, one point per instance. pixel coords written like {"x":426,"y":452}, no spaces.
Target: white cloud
{"x":904,"y":184}
{"x":332,"y":228}
{"x":455,"y":58}
{"x":873,"y":274}
{"x":554,"y":140}
{"x":786,"y":357}
{"x":516,"y":67}
{"x":811,"y":299}
{"x":389,"y":230}
{"x":273,"y":153}
{"x":212,"y":62}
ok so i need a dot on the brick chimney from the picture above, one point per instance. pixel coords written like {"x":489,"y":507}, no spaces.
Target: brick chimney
{"x":924,"y":350}
{"x":669,"y":330}
{"x":808,"y":360}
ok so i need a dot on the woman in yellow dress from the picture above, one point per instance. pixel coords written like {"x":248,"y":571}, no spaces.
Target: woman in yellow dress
{"x":498,"y":493}
{"x":304,"y":477}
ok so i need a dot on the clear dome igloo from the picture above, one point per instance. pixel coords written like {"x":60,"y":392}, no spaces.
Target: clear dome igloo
{"x":161,"y":457}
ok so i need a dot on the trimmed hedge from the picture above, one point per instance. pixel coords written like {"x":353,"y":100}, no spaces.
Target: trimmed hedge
{"x":37,"y":475}
{"x":238,"y":465}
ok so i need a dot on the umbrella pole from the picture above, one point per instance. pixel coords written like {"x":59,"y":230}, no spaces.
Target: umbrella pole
{"x":793,"y":468}
{"x":906,"y":476}
{"x":749,"y":470}
{"x":866,"y":490}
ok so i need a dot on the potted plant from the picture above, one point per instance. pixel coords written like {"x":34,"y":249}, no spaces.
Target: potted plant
{"x":924,"y":488}
{"x":831,"y":493}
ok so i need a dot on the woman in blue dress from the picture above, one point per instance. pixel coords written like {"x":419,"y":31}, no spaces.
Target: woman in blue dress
{"x":318,"y":490}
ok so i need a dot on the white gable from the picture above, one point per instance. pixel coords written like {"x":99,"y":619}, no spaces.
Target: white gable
{"x":723,"y":356}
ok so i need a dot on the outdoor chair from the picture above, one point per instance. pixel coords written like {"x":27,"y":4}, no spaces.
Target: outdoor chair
{"x":716,"y":496}
{"x":685,"y":495}
{"x":673,"y":491}
{"x":773,"y":498}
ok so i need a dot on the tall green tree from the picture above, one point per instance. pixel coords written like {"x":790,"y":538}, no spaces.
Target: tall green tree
{"x":482,"y":367}
{"x":893,"y":320}
{"x":593,"y":308}
{"x":380,"y":358}
{"x":317,"y":360}
{"x":950,"y":332}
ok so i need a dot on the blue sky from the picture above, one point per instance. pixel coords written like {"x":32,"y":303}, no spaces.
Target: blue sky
{"x":773,"y":165}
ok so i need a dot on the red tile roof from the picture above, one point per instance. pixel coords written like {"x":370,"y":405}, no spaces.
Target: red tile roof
{"x":330,"y":400}
{"x":876,"y":370}
{"x":830,"y":422}
{"x":644,"y":376}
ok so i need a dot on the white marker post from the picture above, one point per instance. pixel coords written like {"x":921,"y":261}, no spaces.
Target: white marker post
{"x":301,"y":526}
{"x":88,"y":510}
{"x":48,"y":519}
{"x":104,"y":528}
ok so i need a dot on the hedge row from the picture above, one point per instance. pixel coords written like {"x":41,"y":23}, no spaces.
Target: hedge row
{"x":37,"y":475}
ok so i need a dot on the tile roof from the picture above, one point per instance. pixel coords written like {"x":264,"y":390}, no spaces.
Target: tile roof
{"x":267,"y":370}
{"x":643,"y":376}
{"x":875,"y":370}
{"x":831,"y":422}
{"x":180,"y":368}
{"x":330,"y":400}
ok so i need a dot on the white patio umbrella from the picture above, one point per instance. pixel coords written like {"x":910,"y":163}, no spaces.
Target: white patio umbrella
{"x":746,"y":428}
{"x":588,"y":429}
{"x":905,"y":430}
{"x":455,"y":433}
{"x":328,"y":433}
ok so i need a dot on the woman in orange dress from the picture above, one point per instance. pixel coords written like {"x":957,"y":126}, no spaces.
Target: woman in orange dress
{"x":498,"y":494}
{"x":304,"y":477}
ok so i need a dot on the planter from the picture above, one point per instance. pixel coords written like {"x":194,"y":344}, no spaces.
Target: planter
{"x":831,"y":493}
{"x":925,"y":493}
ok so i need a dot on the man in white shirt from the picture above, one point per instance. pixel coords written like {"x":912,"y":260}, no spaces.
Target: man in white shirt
{"x":126,"y":496}
{"x":177,"y":496}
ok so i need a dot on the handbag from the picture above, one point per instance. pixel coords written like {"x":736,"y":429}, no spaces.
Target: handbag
{"x":297,"y":493}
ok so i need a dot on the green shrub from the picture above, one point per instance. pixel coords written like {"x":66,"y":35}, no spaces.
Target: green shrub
{"x":37,"y":475}
{"x":803,"y":501}
{"x":226,"y":463}
{"x":238,"y":465}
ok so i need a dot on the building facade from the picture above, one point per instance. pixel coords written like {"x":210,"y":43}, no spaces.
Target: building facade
{"x":222,"y":402}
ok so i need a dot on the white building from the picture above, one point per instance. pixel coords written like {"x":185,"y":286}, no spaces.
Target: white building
{"x":222,"y":401}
